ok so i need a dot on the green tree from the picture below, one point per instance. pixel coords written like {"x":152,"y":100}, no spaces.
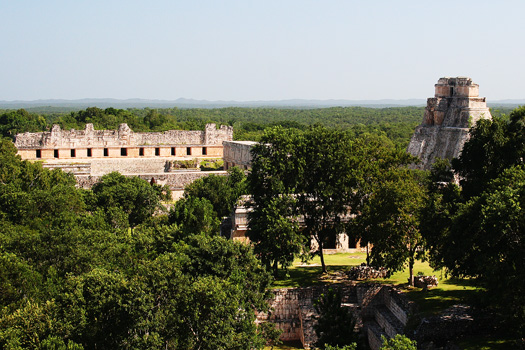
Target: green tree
{"x":194,"y":215}
{"x":204,"y":295}
{"x":390,"y":219}
{"x":98,"y":305}
{"x":270,"y":333}
{"x":335,"y":323}
{"x":324,"y":182}
{"x":375,"y":160}
{"x":485,"y":239}
{"x":275,"y":233}
{"x":478,"y":228}
{"x":33,"y":325}
{"x":345,"y":347}
{"x":399,"y":342}
{"x":494,"y":146}
{"x":127,"y":201}
{"x":273,"y":226}
{"x":222,"y":191}
{"x":14,"y":122}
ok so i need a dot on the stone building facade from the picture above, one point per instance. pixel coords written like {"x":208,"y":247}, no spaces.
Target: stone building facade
{"x":455,"y":107}
{"x":121,"y":143}
{"x":341,"y":243}
{"x":90,"y":154}
{"x":238,"y":153}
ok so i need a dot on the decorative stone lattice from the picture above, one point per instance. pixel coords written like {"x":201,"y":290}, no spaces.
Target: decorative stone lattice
{"x":123,"y":136}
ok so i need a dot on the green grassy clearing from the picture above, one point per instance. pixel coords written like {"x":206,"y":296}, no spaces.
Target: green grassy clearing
{"x":449,"y":291}
{"x":301,"y":275}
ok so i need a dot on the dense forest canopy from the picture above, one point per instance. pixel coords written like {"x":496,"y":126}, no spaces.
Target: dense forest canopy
{"x":110,"y":268}
{"x":249,"y":123}
{"x":396,"y":123}
{"x":96,"y":269}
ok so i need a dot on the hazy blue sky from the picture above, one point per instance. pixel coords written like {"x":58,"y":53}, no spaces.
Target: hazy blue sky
{"x":258,"y":50}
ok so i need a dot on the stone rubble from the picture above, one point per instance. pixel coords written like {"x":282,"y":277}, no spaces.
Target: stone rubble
{"x":425,"y":281}
{"x":363,"y":272}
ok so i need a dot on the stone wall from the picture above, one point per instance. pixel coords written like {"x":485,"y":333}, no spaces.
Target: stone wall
{"x":90,"y":154}
{"x":238,"y":153}
{"x":292,"y":311}
{"x":123,"y":136}
{"x":447,"y":119}
{"x":379,"y":309}
{"x":121,"y":143}
{"x":174,"y":180}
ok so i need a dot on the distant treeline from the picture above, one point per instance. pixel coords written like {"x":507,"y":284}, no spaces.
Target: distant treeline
{"x":396,"y":123}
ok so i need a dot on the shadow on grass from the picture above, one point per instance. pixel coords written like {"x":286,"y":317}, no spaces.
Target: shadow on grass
{"x":302,"y":276}
{"x":298,"y":277}
{"x":481,"y":343}
{"x":464,"y":282}
{"x":434,"y":301}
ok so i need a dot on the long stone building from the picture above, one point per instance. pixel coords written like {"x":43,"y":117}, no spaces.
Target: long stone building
{"x":90,"y":154}
{"x":455,"y":107}
{"x":121,"y":143}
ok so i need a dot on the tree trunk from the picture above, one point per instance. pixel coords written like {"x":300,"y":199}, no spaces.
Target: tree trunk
{"x":323,"y":266}
{"x":411,"y":271}
{"x":275,"y":269}
{"x":367,"y":255}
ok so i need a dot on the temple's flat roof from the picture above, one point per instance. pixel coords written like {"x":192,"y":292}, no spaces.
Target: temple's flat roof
{"x":242,"y":142}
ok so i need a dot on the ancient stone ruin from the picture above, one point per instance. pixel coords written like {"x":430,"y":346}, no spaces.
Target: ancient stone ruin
{"x":121,"y":143}
{"x":448,"y":116}
{"x":378,"y":310}
{"x":90,"y":154}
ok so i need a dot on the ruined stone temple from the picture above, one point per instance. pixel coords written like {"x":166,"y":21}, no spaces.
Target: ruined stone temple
{"x":121,"y":143}
{"x":455,"y":107}
{"x":90,"y":154}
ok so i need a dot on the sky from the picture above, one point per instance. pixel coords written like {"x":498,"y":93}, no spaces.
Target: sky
{"x":258,"y":50}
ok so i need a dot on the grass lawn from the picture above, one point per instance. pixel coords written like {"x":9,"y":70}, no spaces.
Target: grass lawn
{"x":301,"y":275}
{"x":449,"y":291}
{"x":486,"y":344}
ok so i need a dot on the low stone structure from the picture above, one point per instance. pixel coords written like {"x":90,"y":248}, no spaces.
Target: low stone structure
{"x":175,"y":181}
{"x":238,"y":153}
{"x":341,"y":243}
{"x":451,"y":324}
{"x":448,"y":116}
{"x":363,"y":272}
{"x":378,"y":309}
{"x":425,"y":281}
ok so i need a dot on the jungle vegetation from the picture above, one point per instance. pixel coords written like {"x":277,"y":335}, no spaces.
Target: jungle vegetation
{"x":111,"y":268}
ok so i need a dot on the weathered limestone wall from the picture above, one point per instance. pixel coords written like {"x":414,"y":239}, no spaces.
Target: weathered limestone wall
{"x":175,"y":180}
{"x":123,"y":142}
{"x":285,"y":313}
{"x":378,"y":309}
{"x":237,"y":153}
{"x":429,"y":143}
{"x":448,"y":117}
{"x":123,"y":136}
{"x":293,"y":312}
